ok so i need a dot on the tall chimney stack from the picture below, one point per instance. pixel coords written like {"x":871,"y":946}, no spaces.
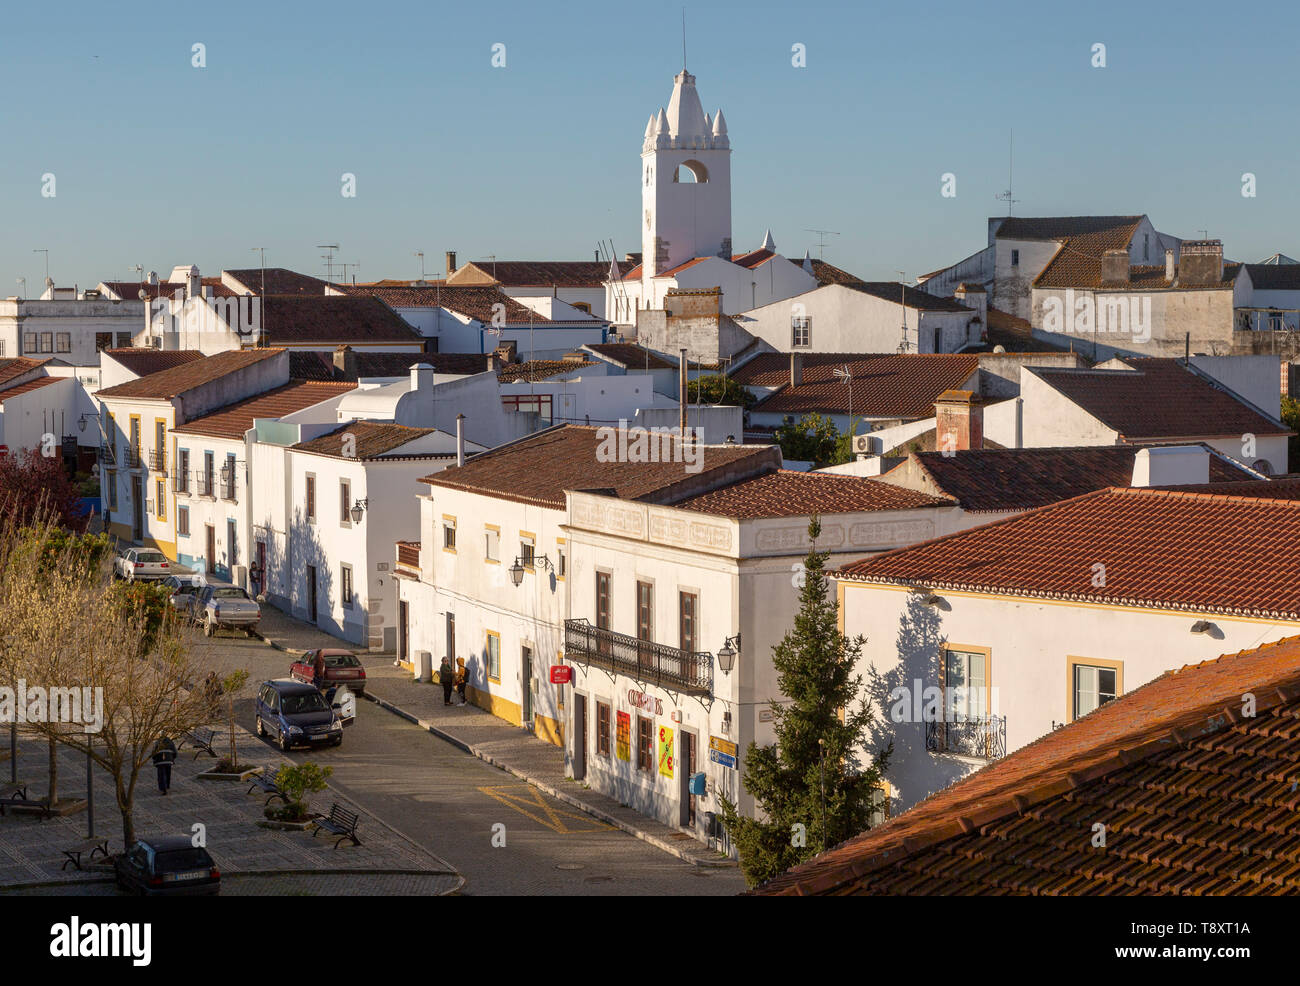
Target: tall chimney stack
{"x":796,"y":369}
{"x":451,"y":262}
{"x":1170,"y":270}
{"x":460,"y":439}
{"x":1201,"y":262}
{"x":958,"y":421}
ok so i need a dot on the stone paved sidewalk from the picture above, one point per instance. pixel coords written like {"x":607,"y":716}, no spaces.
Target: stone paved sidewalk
{"x":490,"y":739}
{"x":31,"y":849}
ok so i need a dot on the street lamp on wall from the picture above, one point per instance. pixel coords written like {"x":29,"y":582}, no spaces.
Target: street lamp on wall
{"x":727,"y":654}
{"x":517,"y":569}
{"x":359,"y":509}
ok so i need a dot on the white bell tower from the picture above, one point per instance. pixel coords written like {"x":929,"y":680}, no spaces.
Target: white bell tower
{"x":685,"y":184}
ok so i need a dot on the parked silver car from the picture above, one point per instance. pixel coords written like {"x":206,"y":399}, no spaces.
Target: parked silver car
{"x":219,"y":606}
{"x":141,"y":563}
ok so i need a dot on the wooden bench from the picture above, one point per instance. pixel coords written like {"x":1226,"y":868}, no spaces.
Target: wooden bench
{"x":202,"y":739}
{"x":266,"y":781}
{"x":15,"y":796}
{"x":340,"y":822}
{"x":88,"y":846}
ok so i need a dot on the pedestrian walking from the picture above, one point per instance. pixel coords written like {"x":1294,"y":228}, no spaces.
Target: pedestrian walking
{"x":446,"y":678}
{"x":462,"y":679}
{"x":164,"y":755}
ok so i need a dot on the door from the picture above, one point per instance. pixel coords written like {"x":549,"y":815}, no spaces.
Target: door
{"x":137,"y":508}
{"x":451,"y":639}
{"x":688,"y":768}
{"x":232,"y":546}
{"x":645,"y":629}
{"x":526,"y":659}
{"x":261,"y":566}
{"x":311,"y":593}
{"x":579,"y":737}
{"x":403,"y":618}
{"x":210,"y":549}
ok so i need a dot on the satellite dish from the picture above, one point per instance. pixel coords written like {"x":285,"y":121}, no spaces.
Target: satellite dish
{"x":999,"y":349}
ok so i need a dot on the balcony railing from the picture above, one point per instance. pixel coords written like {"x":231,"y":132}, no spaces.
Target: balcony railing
{"x":228,"y":489}
{"x":107,"y":456}
{"x":158,"y":461}
{"x":131,"y":458}
{"x":974,"y":736}
{"x":204,"y":483}
{"x":641,"y":659}
{"x":180,"y":478}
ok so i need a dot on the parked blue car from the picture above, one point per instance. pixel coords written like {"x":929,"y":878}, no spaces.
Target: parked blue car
{"x":296,"y":714}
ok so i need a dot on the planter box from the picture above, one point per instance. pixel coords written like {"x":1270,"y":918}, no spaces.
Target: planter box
{"x":268,"y":823}
{"x":243,"y":775}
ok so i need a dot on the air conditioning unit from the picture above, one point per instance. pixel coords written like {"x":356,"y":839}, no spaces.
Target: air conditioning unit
{"x":862,"y":444}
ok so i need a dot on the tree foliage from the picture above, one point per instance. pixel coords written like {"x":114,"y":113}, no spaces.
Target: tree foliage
{"x":813,"y":439}
{"x":35,"y":486}
{"x":811,"y":788}
{"x":714,"y":388}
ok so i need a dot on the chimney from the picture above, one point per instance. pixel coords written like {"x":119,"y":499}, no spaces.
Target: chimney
{"x":1201,"y":262}
{"x":1173,"y":465}
{"x":422,"y":378}
{"x":345,"y":363}
{"x":958,"y":421}
{"x":460,"y":439}
{"x":1170,"y":270}
{"x":1114,"y":267}
{"x":451,"y":262}
{"x":796,"y":369}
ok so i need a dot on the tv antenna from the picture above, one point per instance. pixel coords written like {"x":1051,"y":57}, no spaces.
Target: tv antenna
{"x":821,"y":240}
{"x":1011,"y":160}
{"x":420,"y":254}
{"x":328,"y":257}
{"x":904,"y":346}
{"x":355,"y":267}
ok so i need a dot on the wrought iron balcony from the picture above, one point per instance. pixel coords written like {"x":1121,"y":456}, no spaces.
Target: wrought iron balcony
{"x":204,"y":483}
{"x":132,"y":458}
{"x":107,"y":456}
{"x":158,"y":461}
{"x":660,"y":664}
{"x":228,"y":489}
{"x":181,"y":479}
{"x":971,"y":736}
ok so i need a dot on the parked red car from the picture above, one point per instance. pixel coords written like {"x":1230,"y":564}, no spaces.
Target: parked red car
{"x":342,"y":667}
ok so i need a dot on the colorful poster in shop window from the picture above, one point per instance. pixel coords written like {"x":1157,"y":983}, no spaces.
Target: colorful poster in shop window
{"x":666,"y":751}
{"x":623,"y":747}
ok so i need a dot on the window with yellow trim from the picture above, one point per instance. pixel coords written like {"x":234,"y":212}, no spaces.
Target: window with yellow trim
{"x":494,"y":656}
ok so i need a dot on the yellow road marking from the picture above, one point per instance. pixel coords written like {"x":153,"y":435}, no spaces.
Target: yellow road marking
{"x":517,"y":797}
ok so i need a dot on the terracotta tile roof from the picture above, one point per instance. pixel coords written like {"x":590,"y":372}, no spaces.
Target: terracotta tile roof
{"x":538,"y":469}
{"x":166,"y":384}
{"x":305,"y":319}
{"x":130,"y":290}
{"x":911,"y":297}
{"x":1196,"y":799}
{"x":1014,"y":335}
{"x":634,"y":274}
{"x":630,"y":355}
{"x":681,"y":267}
{"x":793,"y":494}
{"x":540,"y":369}
{"x":373,"y":440}
{"x":1277,"y":488}
{"x":315,"y":364}
{"x":233,"y":420}
{"x":278,"y":280}
{"x":1158,"y":399}
{"x":1021,"y":479}
{"x":1064,"y":227}
{"x":1274,"y":277}
{"x":830,"y":274}
{"x":142,"y":360}
{"x":27,"y":387}
{"x":887,"y":385}
{"x":476,"y":302}
{"x":754,"y":258}
{"x":1166,"y":549}
{"x":548,"y":273}
{"x":16,"y":366}
{"x":927,"y":441}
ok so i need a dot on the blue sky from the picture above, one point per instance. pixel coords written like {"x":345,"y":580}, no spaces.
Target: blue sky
{"x":159,"y":163}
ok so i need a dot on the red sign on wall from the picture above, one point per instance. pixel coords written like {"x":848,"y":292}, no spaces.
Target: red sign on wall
{"x":561,"y":674}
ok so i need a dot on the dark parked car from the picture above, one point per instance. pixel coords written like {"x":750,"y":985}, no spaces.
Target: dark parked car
{"x":296,"y":714}
{"x":167,"y":867}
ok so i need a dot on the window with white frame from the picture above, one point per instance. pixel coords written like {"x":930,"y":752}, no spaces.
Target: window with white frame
{"x":801,"y":331}
{"x":965,"y":685}
{"x":1094,"y":686}
{"x":527,"y":551}
{"x":449,"y":534}
{"x":491,"y":544}
{"x":63,"y":342}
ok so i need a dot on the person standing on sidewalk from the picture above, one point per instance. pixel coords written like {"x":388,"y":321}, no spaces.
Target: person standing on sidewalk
{"x":462,"y":679}
{"x":446,"y":678}
{"x":164,"y":755}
